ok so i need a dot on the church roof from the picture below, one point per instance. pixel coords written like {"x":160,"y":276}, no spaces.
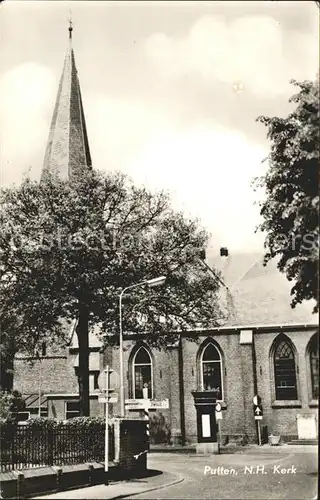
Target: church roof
{"x":260,"y":295}
{"x":67,"y":148}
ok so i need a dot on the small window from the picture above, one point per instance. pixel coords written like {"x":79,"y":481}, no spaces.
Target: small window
{"x":142,"y":373}
{"x":95,"y":376}
{"x":23,"y":416}
{"x":314,"y":367}
{"x":72,"y":409}
{"x":285,"y":372}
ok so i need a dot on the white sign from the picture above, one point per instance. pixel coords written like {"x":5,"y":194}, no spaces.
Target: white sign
{"x":218,"y":407}
{"x":205,"y":418}
{"x":218,"y":415}
{"x":140,"y":404}
{"x":255,"y":400}
{"x":307,"y":426}
{"x":113,"y":382}
{"x":161,"y":403}
{"x":112,"y":398}
{"x":258,"y":417}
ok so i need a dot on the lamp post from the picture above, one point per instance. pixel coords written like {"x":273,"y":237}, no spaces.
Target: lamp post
{"x":151,"y":283}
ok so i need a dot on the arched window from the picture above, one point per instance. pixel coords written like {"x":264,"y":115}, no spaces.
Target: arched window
{"x":314,"y":367}
{"x":211,"y":370}
{"x":142,"y":373}
{"x":285,"y":371}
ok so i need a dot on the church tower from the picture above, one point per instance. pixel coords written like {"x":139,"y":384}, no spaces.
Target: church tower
{"x":67,"y":149}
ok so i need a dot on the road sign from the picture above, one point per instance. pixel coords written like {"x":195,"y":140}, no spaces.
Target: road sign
{"x":218,"y":407}
{"x":256,"y":400}
{"x":112,"y":398}
{"x":258,"y":413}
{"x":159,"y":403}
{"x":140,"y":404}
{"x":218,"y":415}
{"x":113,"y":382}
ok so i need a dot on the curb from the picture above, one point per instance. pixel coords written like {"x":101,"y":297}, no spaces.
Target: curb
{"x":179,"y":479}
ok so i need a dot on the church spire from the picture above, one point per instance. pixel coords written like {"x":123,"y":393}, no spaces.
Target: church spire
{"x":67,"y":150}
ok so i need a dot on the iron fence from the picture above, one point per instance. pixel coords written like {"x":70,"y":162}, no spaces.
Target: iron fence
{"x":26,"y":447}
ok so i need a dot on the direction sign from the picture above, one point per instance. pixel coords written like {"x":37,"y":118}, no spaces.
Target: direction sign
{"x":140,"y":404}
{"x":159,"y":403}
{"x":257,"y":412}
{"x":113,"y":382}
{"x":112,"y":398}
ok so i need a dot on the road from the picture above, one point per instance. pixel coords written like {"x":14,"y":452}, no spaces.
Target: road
{"x":284,"y":473}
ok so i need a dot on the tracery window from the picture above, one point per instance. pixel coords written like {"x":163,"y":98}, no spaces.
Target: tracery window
{"x":285,"y":371}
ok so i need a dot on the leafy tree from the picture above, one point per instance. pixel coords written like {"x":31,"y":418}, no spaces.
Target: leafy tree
{"x":291,"y":206}
{"x":69,"y":247}
{"x":10,"y":404}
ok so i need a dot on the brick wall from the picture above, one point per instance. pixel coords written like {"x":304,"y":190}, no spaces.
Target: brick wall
{"x":283,"y":420}
{"x":58,"y":376}
{"x":238,"y":419}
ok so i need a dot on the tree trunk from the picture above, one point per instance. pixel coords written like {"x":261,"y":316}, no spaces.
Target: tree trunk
{"x":6,"y":380}
{"x":7,"y":353}
{"x":83,"y":375}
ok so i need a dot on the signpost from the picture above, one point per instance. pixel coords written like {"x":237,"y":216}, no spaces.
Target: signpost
{"x":146,"y":413}
{"x":108,"y":381}
{"x":258,"y":414}
{"x":218,"y":413}
{"x":106,"y":436}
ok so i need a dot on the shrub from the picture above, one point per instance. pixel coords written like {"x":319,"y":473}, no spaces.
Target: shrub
{"x":10,"y":404}
{"x":159,"y":429}
{"x":47,"y":441}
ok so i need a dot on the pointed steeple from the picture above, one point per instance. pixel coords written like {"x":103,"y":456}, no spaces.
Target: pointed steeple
{"x":67,"y":149}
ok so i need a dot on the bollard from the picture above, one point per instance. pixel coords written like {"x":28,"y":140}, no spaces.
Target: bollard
{"x":20,"y":480}
{"x":58,"y":471}
{"x":91,"y":472}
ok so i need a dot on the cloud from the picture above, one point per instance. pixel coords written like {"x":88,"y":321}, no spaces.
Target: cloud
{"x":208,"y":170}
{"x":164,"y":126}
{"x":255,"y":50}
{"x":122,"y":128}
{"x":26,"y":100}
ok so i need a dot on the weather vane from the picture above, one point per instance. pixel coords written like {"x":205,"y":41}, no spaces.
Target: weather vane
{"x":70,"y":25}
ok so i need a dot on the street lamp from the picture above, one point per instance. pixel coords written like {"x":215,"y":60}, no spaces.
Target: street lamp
{"x":151,"y":283}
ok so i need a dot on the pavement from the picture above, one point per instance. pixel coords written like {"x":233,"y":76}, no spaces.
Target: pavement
{"x":120,"y":489}
{"x":182,"y":476}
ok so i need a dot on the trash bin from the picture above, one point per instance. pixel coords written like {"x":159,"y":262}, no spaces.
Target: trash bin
{"x":274,"y":440}
{"x":264,"y":434}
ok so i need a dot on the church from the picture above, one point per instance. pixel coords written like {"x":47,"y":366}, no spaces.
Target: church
{"x":264,"y":350}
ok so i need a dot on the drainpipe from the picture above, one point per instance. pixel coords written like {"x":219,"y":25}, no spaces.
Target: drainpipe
{"x":181,"y":392}
{"x":255,"y":377}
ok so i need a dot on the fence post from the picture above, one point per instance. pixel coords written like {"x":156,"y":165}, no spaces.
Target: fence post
{"x":51,"y":441}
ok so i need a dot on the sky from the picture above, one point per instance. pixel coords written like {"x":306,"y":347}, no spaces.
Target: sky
{"x":171,"y":92}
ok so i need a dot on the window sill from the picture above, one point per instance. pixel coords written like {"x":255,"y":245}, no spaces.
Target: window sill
{"x":286,"y":404}
{"x":314,"y":403}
